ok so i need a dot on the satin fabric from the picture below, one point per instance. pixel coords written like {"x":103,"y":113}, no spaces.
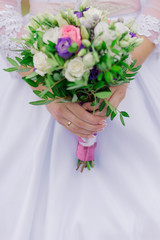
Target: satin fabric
{"x":42,"y":197}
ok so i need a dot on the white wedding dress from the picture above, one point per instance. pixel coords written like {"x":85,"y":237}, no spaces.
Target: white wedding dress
{"x":42,"y":196}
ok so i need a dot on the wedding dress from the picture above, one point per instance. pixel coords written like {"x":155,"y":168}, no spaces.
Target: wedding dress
{"x":42,"y":196}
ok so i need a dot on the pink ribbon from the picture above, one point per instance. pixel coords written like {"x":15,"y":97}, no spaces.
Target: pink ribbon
{"x":85,"y":153}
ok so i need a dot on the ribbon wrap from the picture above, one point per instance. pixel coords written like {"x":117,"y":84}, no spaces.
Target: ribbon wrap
{"x":86,"y":148}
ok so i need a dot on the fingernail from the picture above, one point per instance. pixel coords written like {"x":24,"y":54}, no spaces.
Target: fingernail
{"x":102,"y":122}
{"x":91,"y":136}
{"x":101,"y":130}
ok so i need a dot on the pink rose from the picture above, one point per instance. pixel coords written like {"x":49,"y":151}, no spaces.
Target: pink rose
{"x":73,"y":33}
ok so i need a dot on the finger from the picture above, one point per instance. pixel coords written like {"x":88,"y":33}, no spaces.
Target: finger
{"x":87,"y":106}
{"x":73,"y":129}
{"x":80,"y":124}
{"x":83,"y":115}
{"x":115,"y":99}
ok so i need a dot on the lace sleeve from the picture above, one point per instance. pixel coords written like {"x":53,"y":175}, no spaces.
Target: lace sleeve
{"x":149,"y":21}
{"x":11,"y":22}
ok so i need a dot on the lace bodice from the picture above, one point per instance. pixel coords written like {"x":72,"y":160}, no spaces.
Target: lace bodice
{"x":11,"y":20}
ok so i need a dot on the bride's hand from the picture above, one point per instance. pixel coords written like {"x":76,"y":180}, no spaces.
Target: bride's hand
{"x":83,"y":123}
{"x":118,"y":94}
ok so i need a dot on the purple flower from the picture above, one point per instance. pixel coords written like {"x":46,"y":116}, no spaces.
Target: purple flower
{"x":94,"y":72}
{"x":132,"y":34}
{"x":62,"y":47}
{"x":78,"y":14}
{"x":81,"y":47}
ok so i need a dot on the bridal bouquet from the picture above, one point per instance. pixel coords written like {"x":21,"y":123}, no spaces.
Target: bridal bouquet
{"x":77,"y":55}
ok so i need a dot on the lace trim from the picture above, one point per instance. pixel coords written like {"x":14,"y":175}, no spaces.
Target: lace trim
{"x":150,"y":27}
{"x":10,"y":25}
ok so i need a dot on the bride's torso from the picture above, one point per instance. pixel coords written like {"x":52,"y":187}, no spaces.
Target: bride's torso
{"x":114,"y":7}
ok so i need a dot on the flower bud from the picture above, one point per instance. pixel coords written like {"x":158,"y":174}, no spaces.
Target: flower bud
{"x":89,"y":60}
{"x":84,"y":33}
{"x":124,"y":44}
{"x":95,"y":54}
{"x":86,"y":43}
{"x":96,"y":17}
{"x":82,"y":52}
{"x":138,"y":42}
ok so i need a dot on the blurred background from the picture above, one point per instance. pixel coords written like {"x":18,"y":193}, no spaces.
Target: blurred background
{"x":25,"y":6}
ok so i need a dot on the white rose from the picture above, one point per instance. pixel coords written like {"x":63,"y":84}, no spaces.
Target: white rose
{"x":40,"y":63}
{"x":53,"y":34}
{"x":75,"y":69}
{"x":120,"y":28}
{"x":91,"y":12}
{"x":89,"y":60}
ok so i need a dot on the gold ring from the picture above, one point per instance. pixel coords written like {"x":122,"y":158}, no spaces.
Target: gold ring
{"x":69,"y":124}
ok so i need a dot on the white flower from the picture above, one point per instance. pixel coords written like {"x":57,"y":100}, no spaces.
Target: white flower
{"x":129,"y":60}
{"x":101,"y":27}
{"x":108,"y":35}
{"x":91,"y":12}
{"x":89,"y":60}
{"x":53,"y":34}
{"x":75,"y":69}
{"x":129,"y":22}
{"x":124,"y":44}
{"x":40,"y":63}
{"x":121,"y":28}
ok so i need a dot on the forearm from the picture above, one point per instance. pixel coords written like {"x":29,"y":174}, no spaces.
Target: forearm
{"x":142,"y":52}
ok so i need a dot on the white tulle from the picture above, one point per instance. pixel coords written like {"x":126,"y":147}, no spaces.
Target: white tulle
{"x":42,"y":197}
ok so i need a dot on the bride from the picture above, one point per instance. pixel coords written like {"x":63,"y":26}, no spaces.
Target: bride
{"x":42,"y":197}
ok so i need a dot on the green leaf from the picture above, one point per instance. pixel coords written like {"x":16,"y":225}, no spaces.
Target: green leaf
{"x":24,"y":70}
{"x":100,"y":76}
{"x":13,"y":62}
{"x":98,"y":85}
{"x":108,"y":111}
{"x":56,"y":76}
{"x":133,"y":63}
{"x":103,"y":95}
{"x":102,"y":66}
{"x":116,"y":69}
{"x":113,"y":115}
{"x":74,"y":48}
{"x":59,"y":60}
{"x":124,"y":114}
{"x":41,"y":102}
{"x":113,"y":43}
{"x":30,"y":82}
{"x":113,"y":109}
{"x":125,"y":64}
{"x":136,"y":69}
{"x":50,"y":95}
{"x":36,"y":92}
{"x":32,"y":75}
{"x":108,"y":77}
{"x":115,"y":51}
{"x":102,"y":106}
{"x":75,"y":98}
{"x":104,"y":46}
{"x":122,"y":120}
{"x":10,"y":69}
{"x":130,"y":74}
